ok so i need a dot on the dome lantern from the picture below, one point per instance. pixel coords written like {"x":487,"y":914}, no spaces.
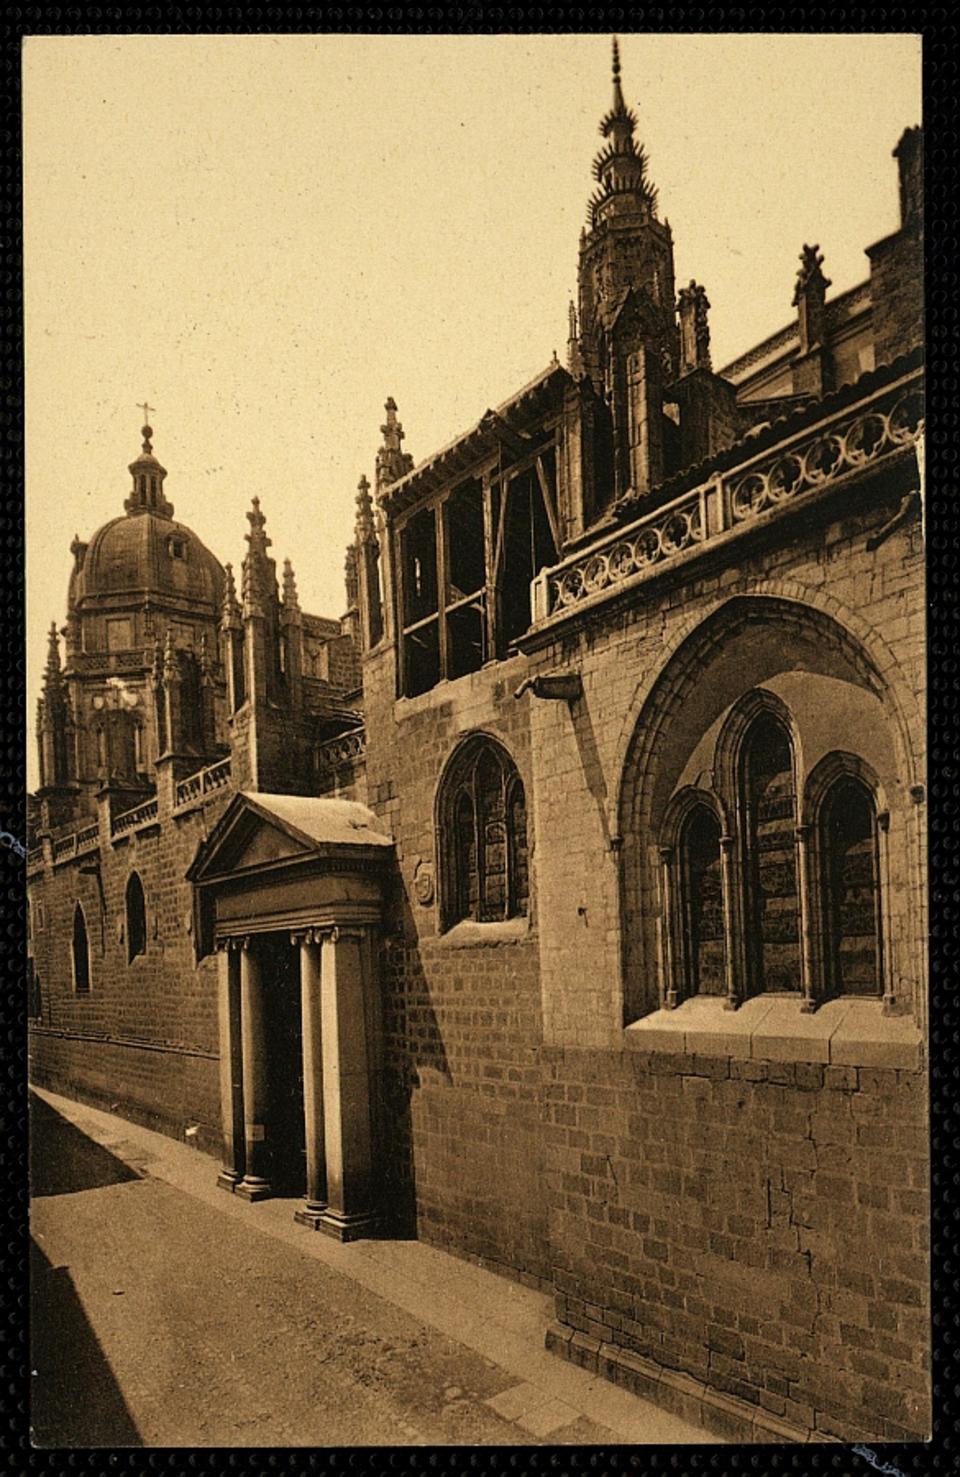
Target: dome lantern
{"x":148,"y":476}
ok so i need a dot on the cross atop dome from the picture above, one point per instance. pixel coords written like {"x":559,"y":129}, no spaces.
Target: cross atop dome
{"x":148,"y":475}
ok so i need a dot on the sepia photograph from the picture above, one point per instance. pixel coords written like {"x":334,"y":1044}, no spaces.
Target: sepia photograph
{"x":477,"y":850}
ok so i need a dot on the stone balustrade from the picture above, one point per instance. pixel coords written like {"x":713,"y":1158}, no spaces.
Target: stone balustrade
{"x":758,"y":487}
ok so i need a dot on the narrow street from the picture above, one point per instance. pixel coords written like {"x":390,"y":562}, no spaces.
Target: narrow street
{"x":169,"y":1313}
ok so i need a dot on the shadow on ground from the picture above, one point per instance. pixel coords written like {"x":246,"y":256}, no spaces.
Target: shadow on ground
{"x":75,"y":1400}
{"x":63,"y":1160}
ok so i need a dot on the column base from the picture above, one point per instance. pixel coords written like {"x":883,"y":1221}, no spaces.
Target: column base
{"x":228,"y":1179}
{"x":344,"y":1227}
{"x":252,"y":1187}
{"x":310,"y":1213}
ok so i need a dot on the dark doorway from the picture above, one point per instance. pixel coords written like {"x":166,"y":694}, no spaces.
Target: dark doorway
{"x":284,"y":1062}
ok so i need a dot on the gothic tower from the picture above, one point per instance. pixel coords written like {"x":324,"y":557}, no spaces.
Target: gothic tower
{"x":623,"y":330}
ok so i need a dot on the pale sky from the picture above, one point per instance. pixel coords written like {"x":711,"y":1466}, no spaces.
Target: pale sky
{"x":264,"y":236}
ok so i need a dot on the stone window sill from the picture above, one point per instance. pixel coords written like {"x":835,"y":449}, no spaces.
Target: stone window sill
{"x":468,"y":934}
{"x":847,"y":1033}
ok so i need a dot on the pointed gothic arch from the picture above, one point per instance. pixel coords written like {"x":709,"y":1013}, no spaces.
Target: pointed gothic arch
{"x":136,"y":917}
{"x":80,"y":952}
{"x":482,"y":835}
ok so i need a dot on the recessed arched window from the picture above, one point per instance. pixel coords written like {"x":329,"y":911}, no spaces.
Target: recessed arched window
{"x":850,"y":880}
{"x":768,"y":806}
{"x":136,"y":918}
{"x":701,"y":903}
{"x":81,"y":953}
{"x":483,"y":836}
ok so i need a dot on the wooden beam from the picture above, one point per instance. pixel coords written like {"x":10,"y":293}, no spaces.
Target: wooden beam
{"x":548,"y":502}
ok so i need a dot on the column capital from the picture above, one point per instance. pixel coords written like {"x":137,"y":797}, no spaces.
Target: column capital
{"x":726,"y":843}
{"x":665,"y":854}
{"x":802,"y":832}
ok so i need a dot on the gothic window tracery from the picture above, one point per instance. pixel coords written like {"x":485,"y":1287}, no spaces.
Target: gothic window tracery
{"x":760,"y":897}
{"x":483,"y":836}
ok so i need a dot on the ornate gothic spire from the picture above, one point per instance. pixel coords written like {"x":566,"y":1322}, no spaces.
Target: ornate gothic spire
{"x":392,"y":462}
{"x":809,"y":298}
{"x":52,"y":676}
{"x":257,"y":564}
{"x":291,"y":601}
{"x":230,"y":611}
{"x":693,"y":308}
{"x":620,"y":167}
{"x":365,"y":530}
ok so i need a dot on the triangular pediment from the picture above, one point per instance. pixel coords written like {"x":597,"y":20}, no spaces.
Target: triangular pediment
{"x":246,"y":841}
{"x":259,"y":842}
{"x":257,"y":832}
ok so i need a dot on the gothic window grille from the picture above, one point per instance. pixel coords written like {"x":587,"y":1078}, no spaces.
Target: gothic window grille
{"x":767,"y":806}
{"x":486,"y":847}
{"x":80,"y":953}
{"x":702,"y":919}
{"x":850,"y":880}
{"x":136,"y":918}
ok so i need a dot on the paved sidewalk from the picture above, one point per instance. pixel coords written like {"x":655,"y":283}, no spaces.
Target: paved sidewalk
{"x":472,"y":1341}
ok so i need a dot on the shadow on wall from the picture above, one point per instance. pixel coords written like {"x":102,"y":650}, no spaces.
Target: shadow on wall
{"x":412,"y":1043}
{"x":75,"y":1400}
{"x":63,"y":1160}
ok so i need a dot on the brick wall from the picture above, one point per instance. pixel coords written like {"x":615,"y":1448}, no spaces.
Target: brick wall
{"x":760,"y":1227}
{"x":752,"y":1231}
{"x":144,"y":1041}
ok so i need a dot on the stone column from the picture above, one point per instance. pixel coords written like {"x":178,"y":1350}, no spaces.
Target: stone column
{"x":730,"y":952}
{"x":346,"y":1089}
{"x":884,"y":929}
{"x":315,"y":1202}
{"x":670,"y":993}
{"x":231,"y":1063}
{"x":807,"y":913}
{"x":255,"y":1184}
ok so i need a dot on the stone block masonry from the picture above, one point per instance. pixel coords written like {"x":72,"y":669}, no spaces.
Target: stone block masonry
{"x":143,"y":1041}
{"x":757,"y":1227}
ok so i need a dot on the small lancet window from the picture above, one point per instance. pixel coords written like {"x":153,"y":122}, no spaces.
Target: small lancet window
{"x":848,"y":838}
{"x":136,"y":918}
{"x":772,"y":899}
{"x":80,"y":953}
{"x":702,"y":904}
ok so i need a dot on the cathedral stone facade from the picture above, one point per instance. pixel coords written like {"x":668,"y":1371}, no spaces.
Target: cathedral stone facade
{"x":564,"y":901}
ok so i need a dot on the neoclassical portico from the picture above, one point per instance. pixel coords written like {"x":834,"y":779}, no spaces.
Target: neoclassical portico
{"x":288,"y":893}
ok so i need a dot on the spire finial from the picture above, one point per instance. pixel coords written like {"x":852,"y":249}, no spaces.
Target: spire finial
{"x":619,"y":105}
{"x":291,"y":600}
{"x":392,"y":461}
{"x":365,"y":529}
{"x":52,"y":674}
{"x":146,"y":430}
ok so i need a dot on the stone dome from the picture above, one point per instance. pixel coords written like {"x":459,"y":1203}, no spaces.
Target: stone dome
{"x":143,"y":554}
